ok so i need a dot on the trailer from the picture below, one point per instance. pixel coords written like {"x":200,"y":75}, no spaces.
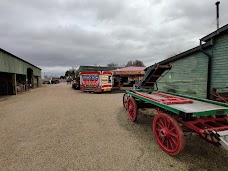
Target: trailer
{"x":177,"y":114}
{"x":96,"y":81}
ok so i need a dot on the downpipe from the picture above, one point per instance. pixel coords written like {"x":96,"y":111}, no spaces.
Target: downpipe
{"x":209,"y":68}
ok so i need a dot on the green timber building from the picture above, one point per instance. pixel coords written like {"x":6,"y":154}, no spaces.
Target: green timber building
{"x":16,"y":74}
{"x":199,"y":71}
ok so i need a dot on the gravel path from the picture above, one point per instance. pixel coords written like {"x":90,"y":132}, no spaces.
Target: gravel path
{"x":58,"y":128}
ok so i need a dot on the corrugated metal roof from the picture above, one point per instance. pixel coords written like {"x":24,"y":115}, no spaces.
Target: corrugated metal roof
{"x":131,"y":68}
{"x":96,"y":68}
{"x":18,"y":58}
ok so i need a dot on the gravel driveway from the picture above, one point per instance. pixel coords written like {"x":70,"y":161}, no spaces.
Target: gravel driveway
{"x":57,"y":128}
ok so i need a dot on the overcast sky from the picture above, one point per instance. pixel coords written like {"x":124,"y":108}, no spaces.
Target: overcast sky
{"x":58,"y":34}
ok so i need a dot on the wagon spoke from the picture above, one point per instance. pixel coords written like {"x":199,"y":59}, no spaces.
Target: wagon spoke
{"x":157,"y":129}
{"x":163,"y":140}
{"x":166,"y":123}
{"x":161,"y":122}
{"x":173,"y":128}
{"x":169,"y":124}
{"x":172,"y":144}
{"x":168,"y":144}
{"x":173,"y":135}
{"x":159,"y":125}
{"x":132,"y":110}
{"x":173,"y":139}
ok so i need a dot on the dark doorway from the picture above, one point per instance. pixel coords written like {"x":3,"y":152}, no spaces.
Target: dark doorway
{"x":30,"y":77}
{"x":123,"y":80}
{"x":21,"y":83}
{"x":6,"y":84}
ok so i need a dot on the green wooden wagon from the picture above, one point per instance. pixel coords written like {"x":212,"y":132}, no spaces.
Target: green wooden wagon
{"x":177,"y":112}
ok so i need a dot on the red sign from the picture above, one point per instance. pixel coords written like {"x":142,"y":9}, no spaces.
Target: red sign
{"x":90,"y":80}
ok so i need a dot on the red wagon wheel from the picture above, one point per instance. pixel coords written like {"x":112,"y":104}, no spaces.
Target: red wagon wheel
{"x":168,"y":134}
{"x":132,"y":109}
{"x":125,"y":98}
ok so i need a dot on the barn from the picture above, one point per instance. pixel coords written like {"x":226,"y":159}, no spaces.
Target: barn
{"x":17,"y":75}
{"x":201,"y":71}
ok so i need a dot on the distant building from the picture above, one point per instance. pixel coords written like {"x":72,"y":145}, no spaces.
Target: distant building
{"x":200,"y":71}
{"x":128,"y":76}
{"x":123,"y":77}
{"x":16,"y":74}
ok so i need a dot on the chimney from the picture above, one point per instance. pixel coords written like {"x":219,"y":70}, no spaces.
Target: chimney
{"x":217,"y":13}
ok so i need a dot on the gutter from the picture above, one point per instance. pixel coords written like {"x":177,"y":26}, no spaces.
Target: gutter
{"x":209,"y":68}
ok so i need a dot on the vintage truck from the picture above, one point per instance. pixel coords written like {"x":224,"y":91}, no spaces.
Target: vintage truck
{"x":96,"y":81}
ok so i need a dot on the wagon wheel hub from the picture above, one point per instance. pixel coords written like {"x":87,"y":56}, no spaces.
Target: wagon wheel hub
{"x":130,"y":107}
{"x":164,"y":133}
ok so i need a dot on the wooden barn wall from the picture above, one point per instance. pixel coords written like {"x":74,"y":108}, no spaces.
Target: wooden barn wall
{"x":220,"y":63}
{"x":188,"y":76}
{"x":11,"y":64}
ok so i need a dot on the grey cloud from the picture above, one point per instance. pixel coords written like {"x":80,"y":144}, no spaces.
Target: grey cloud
{"x":68,"y":32}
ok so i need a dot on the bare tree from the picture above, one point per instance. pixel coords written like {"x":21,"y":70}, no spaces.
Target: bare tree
{"x":139,"y":63}
{"x":72,"y":72}
{"x":112,"y":64}
{"x":129,"y":63}
{"x":135,"y":63}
